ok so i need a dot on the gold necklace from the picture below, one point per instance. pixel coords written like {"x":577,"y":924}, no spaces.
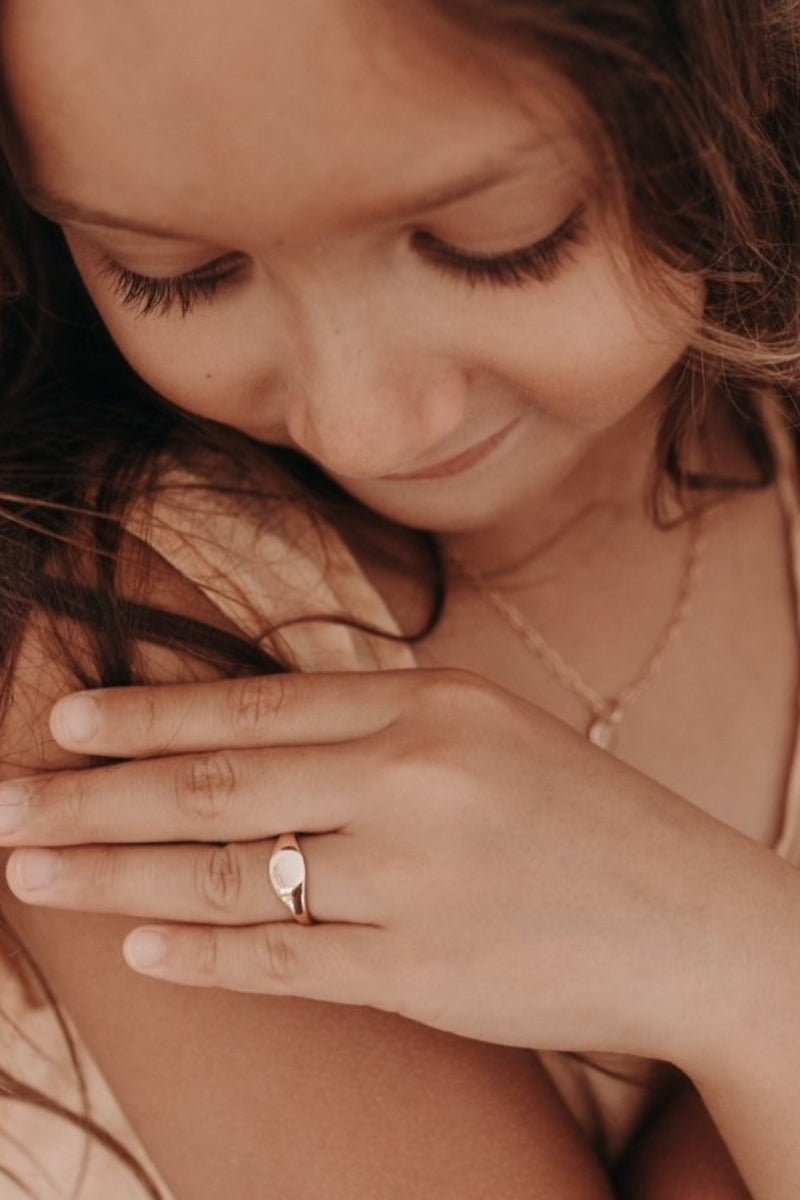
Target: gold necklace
{"x":606,"y":712}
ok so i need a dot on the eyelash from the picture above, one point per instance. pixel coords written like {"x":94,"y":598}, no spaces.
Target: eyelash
{"x":540,"y":262}
{"x":147,"y":294}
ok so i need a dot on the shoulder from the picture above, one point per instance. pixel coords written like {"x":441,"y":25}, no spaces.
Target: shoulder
{"x":204,"y":1076}
{"x":264,"y":553}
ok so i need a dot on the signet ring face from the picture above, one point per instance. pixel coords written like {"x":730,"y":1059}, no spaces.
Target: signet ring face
{"x":287,"y":874}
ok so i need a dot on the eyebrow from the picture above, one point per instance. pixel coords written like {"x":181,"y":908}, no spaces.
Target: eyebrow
{"x":61,"y":209}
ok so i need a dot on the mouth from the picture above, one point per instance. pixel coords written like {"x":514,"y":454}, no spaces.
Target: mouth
{"x":461,"y":462}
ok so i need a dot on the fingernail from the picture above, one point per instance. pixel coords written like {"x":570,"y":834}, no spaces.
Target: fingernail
{"x":32,"y":869}
{"x":145,"y":948}
{"x":13,"y":807}
{"x":79,"y":718}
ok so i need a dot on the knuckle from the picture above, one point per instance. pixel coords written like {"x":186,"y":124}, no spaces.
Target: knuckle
{"x":206,"y":953}
{"x":204,"y":786}
{"x":418,"y":766}
{"x":463,"y":696}
{"x":257,"y":702}
{"x":446,"y":779}
{"x":274,"y":954}
{"x":147,"y":714}
{"x":104,"y":872}
{"x":218,"y":879}
{"x":72,"y":810}
{"x":458,"y":686}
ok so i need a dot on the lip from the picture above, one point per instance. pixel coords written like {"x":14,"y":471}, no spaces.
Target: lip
{"x":461,"y":462}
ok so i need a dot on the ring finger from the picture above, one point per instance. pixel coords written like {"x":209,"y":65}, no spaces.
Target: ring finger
{"x":211,"y":884}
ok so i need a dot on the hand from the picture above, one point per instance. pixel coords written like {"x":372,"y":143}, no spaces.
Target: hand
{"x":475,"y":864}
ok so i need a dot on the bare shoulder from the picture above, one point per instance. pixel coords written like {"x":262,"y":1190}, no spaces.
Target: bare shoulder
{"x":235,"y":1094}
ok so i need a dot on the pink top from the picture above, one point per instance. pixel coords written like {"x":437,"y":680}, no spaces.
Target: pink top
{"x":257,"y":572}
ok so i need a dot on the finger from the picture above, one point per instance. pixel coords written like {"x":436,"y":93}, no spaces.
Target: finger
{"x":264,"y":710}
{"x":239,"y":795}
{"x":224,"y":885}
{"x":344,"y":964}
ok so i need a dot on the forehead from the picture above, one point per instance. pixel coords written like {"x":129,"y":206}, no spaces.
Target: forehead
{"x":184,"y":109}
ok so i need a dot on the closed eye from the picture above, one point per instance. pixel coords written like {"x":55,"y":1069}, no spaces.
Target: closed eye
{"x":150,"y":294}
{"x":541,"y":261}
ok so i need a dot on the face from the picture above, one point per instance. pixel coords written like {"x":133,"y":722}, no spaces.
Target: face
{"x":346,"y":228}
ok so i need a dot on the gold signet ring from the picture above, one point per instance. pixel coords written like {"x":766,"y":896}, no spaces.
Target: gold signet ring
{"x":287,"y":874}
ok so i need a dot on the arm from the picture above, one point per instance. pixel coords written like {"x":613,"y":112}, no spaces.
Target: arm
{"x":745,"y":1063}
{"x":745,"y":1058}
{"x":750,"y":1079}
{"x":234,"y":1094}
{"x":679,"y":1155}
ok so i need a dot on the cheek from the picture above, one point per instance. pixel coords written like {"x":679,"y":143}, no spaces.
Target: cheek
{"x":589,"y":348}
{"x":625,"y":334}
{"x":203,"y":369}
{"x":211,"y":368}
{"x":190,"y":371}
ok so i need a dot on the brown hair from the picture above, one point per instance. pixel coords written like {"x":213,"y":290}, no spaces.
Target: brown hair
{"x":697,"y":104}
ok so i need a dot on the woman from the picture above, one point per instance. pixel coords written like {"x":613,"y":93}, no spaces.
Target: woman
{"x":468,"y":340}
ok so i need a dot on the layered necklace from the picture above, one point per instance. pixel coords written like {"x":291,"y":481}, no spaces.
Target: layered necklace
{"x":606,"y":711}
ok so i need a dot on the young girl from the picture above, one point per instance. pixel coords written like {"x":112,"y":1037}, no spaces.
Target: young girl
{"x":458,"y":335}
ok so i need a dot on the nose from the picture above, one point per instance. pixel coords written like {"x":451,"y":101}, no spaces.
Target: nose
{"x":364,"y":404}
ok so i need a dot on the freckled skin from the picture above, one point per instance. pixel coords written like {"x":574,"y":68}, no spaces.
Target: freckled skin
{"x":339,"y":337}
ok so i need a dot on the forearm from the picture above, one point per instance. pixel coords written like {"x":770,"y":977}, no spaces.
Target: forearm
{"x":679,"y":1155}
{"x":754,"y":1101}
{"x":748,"y":1069}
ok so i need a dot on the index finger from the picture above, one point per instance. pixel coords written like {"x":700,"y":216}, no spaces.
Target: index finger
{"x":262,"y":710}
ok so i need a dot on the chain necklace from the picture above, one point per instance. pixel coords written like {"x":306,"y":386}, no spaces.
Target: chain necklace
{"x":606,"y":712}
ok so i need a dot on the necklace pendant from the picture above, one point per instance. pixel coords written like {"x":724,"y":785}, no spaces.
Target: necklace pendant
{"x":603,"y":731}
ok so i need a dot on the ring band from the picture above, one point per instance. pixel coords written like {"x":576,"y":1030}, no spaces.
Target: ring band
{"x":287,"y":874}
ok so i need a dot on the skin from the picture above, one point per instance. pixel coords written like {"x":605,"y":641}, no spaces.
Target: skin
{"x":340,"y":335}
